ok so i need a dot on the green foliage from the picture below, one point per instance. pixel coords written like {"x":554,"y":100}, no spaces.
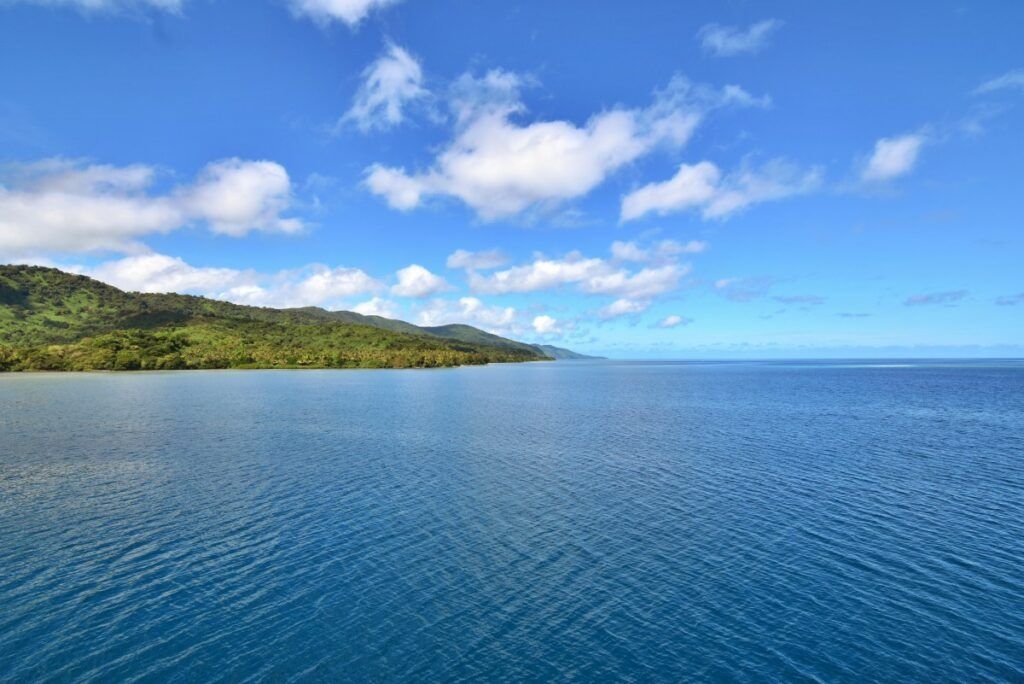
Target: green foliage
{"x":50,"y":320}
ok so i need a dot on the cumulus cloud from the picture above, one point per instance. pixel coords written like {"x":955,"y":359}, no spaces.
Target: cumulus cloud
{"x":623,"y":307}
{"x":377,"y":306}
{"x":69,"y":206}
{"x":312,"y":285}
{"x":390,"y":84}
{"x":947,"y":298}
{"x":471,"y":310}
{"x":702,"y":186}
{"x":646,"y":283}
{"x":589,"y":275}
{"x":162,"y":273}
{"x":235,"y":196}
{"x":1011,"y":80}
{"x":416,"y":281}
{"x":673,"y":321}
{"x":501,"y":168}
{"x":106,"y":5}
{"x":476,"y":261}
{"x":893,"y":157}
{"x":546,"y":325}
{"x":350,"y":12}
{"x":727,"y":41}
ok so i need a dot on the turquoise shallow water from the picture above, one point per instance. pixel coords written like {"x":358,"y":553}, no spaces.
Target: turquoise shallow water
{"x":571,"y":520}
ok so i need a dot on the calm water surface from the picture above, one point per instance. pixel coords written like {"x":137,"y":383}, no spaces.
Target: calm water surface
{"x":571,"y":520}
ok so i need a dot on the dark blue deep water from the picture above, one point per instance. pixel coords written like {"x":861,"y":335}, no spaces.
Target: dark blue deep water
{"x":589,"y":521}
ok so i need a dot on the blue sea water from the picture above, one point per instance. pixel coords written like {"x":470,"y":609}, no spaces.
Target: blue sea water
{"x":589,"y":521}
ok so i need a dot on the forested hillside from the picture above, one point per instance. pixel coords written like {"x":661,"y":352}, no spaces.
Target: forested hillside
{"x":52,"y":320}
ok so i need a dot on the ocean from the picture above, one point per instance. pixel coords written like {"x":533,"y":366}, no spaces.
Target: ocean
{"x":587,"y":521}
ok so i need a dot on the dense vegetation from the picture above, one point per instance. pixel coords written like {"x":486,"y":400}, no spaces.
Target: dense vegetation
{"x":51,"y":320}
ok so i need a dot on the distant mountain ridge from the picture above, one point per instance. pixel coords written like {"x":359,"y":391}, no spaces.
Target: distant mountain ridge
{"x":52,"y":320}
{"x":562,"y":354}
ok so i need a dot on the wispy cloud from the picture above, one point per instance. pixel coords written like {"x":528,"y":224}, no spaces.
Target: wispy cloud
{"x":947,"y":298}
{"x":673,"y":321}
{"x":744,"y":289}
{"x":476,"y":261}
{"x":728,"y":41}
{"x":1011,"y":300}
{"x":390,"y":84}
{"x":805,"y":300}
{"x":1011,"y":80}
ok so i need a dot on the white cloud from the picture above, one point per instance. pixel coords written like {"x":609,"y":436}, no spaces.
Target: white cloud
{"x":313,"y":285}
{"x":472,"y":311}
{"x":692,"y":186}
{"x":68,"y":206}
{"x":416,"y":281}
{"x":476,"y":261}
{"x":691,"y":247}
{"x":546,"y":325}
{"x":235,"y":196}
{"x":673,"y":321}
{"x":727,"y":41}
{"x":106,"y":5}
{"x":1011,"y":80}
{"x":702,"y":186}
{"x":319,"y":284}
{"x":350,"y":12}
{"x":630,"y":251}
{"x":645,"y":283}
{"x":162,"y":273}
{"x":500,"y":168}
{"x":893,"y":157}
{"x":589,"y":275}
{"x":541,"y":274}
{"x":377,"y":306}
{"x":390,"y":84}
{"x":624,"y":307}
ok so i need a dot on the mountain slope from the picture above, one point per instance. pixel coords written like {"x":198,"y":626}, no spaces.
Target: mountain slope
{"x":560,"y":353}
{"x":51,"y":320}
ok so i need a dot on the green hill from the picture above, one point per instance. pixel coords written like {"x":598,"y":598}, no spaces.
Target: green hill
{"x":51,"y":320}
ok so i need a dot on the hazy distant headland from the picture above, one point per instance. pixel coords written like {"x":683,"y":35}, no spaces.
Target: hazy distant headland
{"x":56,"y":321}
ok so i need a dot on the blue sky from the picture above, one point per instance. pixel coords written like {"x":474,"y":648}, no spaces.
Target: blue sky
{"x":633,"y":179}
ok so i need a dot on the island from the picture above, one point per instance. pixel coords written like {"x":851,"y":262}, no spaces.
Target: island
{"x":51,"y":320}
